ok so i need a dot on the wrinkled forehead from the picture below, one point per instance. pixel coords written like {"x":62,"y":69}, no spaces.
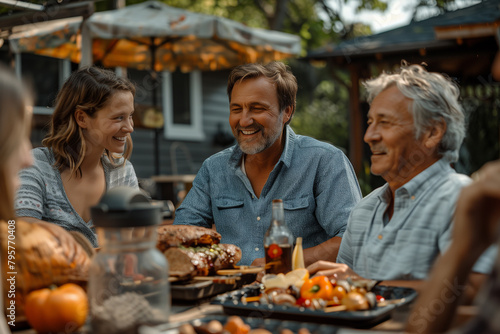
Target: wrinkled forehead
{"x":390,"y":102}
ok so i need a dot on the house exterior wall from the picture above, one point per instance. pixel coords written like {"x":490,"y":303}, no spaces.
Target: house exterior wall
{"x":215,"y":118}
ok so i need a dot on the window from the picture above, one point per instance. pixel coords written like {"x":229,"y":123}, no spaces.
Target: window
{"x":182,"y":110}
{"x":47,"y":75}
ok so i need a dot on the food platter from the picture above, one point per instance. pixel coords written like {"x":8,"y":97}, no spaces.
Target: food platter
{"x":204,"y":287}
{"x":233,"y":304}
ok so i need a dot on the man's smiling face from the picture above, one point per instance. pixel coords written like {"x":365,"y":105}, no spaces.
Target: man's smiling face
{"x":255,"y":117}
{"x":391,"y":136}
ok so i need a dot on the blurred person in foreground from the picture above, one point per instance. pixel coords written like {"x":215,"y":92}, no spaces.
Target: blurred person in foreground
{"x":234,"y":188}
{"x":85,"y":152}
{"x":15,"y":145}
{"x":41,"y":253}
{"x":395,"y":234}
{"x":477,"y":226}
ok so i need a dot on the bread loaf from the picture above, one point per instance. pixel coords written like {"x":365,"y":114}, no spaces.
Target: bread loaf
{"x":185,"y":235}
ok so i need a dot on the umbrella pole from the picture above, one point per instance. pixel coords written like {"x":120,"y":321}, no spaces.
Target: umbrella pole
{"x":155,"y":86}
{"x":157,"y":151}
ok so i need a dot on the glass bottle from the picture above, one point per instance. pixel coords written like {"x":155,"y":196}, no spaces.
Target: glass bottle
{"x":128,"y":278}
{"x":278,"y":242}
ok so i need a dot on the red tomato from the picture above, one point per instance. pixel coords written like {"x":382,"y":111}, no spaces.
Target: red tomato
{"x":304,"y":302}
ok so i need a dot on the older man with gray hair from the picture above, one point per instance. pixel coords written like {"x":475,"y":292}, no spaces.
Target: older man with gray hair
{"x":415,"y":129}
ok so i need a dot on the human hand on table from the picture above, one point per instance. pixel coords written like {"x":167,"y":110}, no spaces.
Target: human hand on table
{"x":260,"y":262}
{"x":339,"y":271}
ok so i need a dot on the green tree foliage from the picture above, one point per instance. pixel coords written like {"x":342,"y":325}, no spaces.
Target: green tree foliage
{"x":315,"y":21}
{"x":322,"y":109}
{"x":427,"y":8}
{"x":325,"y":117}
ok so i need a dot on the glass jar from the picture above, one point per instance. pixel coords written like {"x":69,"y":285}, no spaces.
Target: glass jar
{"x":128,"y":278}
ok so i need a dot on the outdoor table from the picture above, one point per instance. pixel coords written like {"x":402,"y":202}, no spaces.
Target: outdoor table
{"x":185,"y":312}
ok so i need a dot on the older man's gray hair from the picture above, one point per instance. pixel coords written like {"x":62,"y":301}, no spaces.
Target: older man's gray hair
{"x":435,"y":98}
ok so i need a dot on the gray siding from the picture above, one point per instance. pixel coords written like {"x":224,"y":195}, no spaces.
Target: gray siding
{"x":215,"y":116}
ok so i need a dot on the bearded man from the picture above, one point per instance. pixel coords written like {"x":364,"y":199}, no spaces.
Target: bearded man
{"x":235,"y":187}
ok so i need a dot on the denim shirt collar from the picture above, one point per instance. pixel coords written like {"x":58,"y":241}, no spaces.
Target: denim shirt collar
{"x":286,"y":155}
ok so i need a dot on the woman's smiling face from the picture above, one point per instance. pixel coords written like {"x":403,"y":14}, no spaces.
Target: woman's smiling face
{"x":110,"y":126}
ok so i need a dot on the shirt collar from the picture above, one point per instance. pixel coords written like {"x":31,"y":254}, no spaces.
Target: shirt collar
{"x":286,"y":156}
{"x":415,"y":186}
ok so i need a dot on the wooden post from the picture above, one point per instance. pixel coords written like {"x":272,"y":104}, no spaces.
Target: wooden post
{"x":355,"y":121}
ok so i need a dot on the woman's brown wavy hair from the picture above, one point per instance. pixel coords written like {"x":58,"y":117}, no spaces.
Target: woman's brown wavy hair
{"x":15,"y":123}
{"x":88,"y":89}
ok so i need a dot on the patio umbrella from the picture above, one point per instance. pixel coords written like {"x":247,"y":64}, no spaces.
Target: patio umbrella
{"x":57,"y":38}
{"x":152,"y":35}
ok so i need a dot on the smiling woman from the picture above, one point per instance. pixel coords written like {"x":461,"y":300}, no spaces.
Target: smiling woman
{"x":86,"y":152}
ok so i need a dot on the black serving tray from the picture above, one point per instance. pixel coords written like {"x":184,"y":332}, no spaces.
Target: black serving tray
{"x":198,"y":290}
{"x":272,"y":325}
{"x":233,"y":304}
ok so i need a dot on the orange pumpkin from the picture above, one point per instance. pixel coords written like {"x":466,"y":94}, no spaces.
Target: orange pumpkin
{"x":59,"y":310}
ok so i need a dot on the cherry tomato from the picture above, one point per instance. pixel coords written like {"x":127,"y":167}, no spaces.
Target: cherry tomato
{"x":339,"y":292}
{"x":304,"y":302}
{"x":379,"y":298}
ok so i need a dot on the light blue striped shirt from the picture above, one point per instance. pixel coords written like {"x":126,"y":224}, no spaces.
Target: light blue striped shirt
{"x":420,"y":229}
{"x":315,"y":180}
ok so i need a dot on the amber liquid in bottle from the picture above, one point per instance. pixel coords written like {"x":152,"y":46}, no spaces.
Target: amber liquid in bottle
{"x":281,"y":263}
{"x":278,"y":242}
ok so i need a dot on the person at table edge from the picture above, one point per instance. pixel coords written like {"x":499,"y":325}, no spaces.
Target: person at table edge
{"x":235,"y":187}
{"x":415,"y":129}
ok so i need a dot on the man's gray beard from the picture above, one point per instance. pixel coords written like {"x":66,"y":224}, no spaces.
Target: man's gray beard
{"x":253,"y":149}
{"x":261,"y":147}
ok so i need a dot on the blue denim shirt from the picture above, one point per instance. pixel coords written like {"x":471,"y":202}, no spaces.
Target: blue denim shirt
{"x":314,"y":179}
